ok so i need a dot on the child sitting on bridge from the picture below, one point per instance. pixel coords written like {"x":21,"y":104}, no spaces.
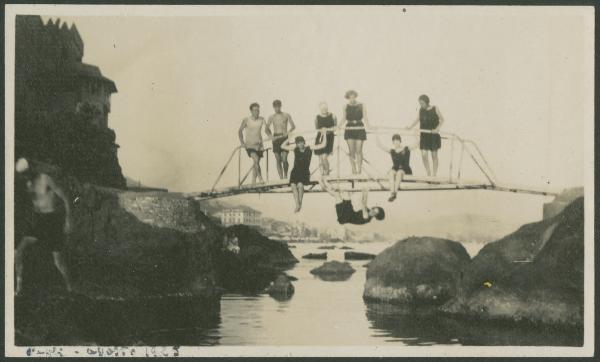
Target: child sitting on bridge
{"x":400,"y":162}
{"x":345,"y":210}
{"x":300,"y":175}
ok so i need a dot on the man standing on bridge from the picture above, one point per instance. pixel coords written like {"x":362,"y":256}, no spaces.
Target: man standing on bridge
{"x":280,"y":121}
{"x":253,"y":143}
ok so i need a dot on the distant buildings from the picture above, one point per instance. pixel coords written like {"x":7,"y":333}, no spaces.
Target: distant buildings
{"x":50,"y":76}
{"x":240,"y":216}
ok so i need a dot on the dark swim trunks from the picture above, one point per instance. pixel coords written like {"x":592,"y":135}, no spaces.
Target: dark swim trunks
{"x":49,"y":229}
{"x":278,"y":141}
{"x":250,"y":151}
{"x":347,"y":215}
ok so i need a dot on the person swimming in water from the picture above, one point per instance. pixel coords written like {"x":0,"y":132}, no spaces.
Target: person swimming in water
{"x":252,"y":128}
{"x":345,"y":211}
{"x":300,"y":175}
{"x":50,"y":225}
{"x":280,"y":121}
{"x":400,"y":154}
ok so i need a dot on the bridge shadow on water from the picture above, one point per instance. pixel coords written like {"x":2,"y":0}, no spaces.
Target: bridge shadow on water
{"x":425,"y":326}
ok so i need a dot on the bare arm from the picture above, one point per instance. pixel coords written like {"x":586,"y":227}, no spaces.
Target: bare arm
{"x":292,"y":125}
{"x":415,"y":122}
{"x":380,"y":144}
{"x":61,"y":194}
{"x":365,"y":117}
{"x":268,"y":127}
{"x":316,"y":123}
{"x":287,"y":146}
{"x":241,"y":133}
{"x":364,"y":199}
{"x":441,"y":118}
{"x":334,"y":120}
{"x":344,"y":120}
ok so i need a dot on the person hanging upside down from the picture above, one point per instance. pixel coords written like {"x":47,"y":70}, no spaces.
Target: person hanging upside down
{"x":400,"y":162}
{"x":300,"y":175}
{"x":325,"y":119}
{"x":430,"y":119}
{"x":345,"y":211}
{"x":252,"y":125}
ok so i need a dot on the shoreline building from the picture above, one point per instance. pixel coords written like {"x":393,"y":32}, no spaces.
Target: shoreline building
{"x":241,"y":215}
{"x":50,"y":76}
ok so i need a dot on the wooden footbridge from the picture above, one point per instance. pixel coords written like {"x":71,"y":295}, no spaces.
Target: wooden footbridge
{"x":459,"y":149}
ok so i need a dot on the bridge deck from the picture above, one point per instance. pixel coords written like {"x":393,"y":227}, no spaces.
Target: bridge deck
{"x":357,"y":183}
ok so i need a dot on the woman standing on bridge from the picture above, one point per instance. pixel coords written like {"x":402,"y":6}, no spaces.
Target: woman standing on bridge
{"x":355,"y":117}
{"x":430,"y":120}
{"x":325,"y":120}
{"x":300,"y":175}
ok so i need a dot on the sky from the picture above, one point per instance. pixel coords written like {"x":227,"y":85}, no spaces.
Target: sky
{"x":515,"y":80}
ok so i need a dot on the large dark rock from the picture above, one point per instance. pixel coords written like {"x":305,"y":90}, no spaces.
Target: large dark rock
{"x":259,"y":260}
{"x":416,"y":270}
{"x":281,"y":289}
{"x":334,"y":271}
{"x":534,"y":274}
{"x":353,"y":255}
{"x":318,"y":256}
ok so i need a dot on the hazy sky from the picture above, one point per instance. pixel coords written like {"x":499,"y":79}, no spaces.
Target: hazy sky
{"x":512,"y":79}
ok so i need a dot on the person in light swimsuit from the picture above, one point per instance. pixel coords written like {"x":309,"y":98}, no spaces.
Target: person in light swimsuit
{"x":250,"y":134}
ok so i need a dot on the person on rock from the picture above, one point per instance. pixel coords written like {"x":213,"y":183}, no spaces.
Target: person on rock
{"x":345,"y":211}
{"x":50,"y":225}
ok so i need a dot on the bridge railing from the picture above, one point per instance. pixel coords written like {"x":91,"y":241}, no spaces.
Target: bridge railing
{"x":467,"y":148}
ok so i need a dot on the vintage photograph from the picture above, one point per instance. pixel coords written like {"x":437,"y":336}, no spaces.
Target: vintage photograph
{"x":299,"y":180}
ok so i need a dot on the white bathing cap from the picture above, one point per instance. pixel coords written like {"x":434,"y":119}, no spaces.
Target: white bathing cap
{"x":22,"y":165}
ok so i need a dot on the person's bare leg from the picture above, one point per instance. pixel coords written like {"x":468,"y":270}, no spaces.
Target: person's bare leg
{"x":392,"y":180}
{"x":296,"y":197}
{"x":300,"y":195}
{"x":285,"y":164}
{"x":256,"y":169}
{"x":352,"y":154}
{"x":425,"y":156}
{"x":322,"y":165}
{"x":278,"y":164}
{"x":61,"y":265}
{"x":19,"y":264}
{"x":326,"y":164}
{"x":399,"y":178}
{"x":434,"y":158}
{"x":359,"y":156}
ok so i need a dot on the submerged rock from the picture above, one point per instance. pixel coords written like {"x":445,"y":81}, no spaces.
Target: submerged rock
{"x":346,"y":248}
{"x":327,"y":247}
{"x":334,"y":271}
{"x":281,"y":288}
{"x":315,"y":256}
{"x":535,"y":273}
{"x":352,"y":255}
{"x":416,"y":270}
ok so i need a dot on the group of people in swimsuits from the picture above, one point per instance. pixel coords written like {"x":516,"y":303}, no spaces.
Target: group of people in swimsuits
{"x":355,"y":124}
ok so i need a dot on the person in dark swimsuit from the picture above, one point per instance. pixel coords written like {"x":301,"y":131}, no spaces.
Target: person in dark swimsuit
{"x":400,"y":155}
{"x":430,"y":120}
{"x":345,"y":211}
{"x":300,"y":175}
{"x":355,"y":115}
{"x":325,"y":119}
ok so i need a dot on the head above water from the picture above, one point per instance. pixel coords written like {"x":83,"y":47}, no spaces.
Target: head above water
{"x":324,"y":108}
{"x":424,"y":101}
{"x":351,"y":96}
{"x":255,"y":109}
{"x":277,"y":105}
{"x":377,"y":212}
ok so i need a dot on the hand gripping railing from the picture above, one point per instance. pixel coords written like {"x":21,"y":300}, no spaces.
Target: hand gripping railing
{"x":465,"y":147}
